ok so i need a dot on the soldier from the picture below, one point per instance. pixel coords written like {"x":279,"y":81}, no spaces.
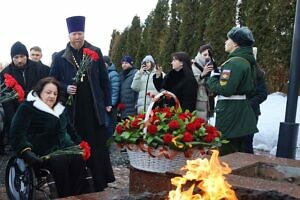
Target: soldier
{"x":234,"y":116}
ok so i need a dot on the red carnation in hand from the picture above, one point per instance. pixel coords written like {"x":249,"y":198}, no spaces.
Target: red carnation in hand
{"x":9,"y":81}
{"x":21,"y":94}
{"x":152,"y":129}
{"x":187,"y":137}
{"x":173,"y":125}
{"x":119,"y":129}
{"x":86,"y":149}
{"x":90,"y":53}
{"x":167,"y":138}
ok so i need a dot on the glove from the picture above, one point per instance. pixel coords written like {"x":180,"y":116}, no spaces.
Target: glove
{"x":32,"y":159}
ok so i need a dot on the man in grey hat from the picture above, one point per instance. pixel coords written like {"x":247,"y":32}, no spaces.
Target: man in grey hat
{"x":234,"y":116}
{"x":92,"y":98}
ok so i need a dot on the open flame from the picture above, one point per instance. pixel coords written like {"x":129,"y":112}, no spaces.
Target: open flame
{"x":208,"y":178}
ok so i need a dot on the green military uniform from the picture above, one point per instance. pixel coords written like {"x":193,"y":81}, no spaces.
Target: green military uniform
{"x":234,"y":115}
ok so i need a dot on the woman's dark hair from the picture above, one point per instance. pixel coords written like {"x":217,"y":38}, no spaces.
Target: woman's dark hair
{"x":41,"y":84}
{"x":185,"y":59}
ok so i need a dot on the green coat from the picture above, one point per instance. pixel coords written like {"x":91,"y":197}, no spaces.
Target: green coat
{"x":235,"y":118}
{"x":42,"y":129}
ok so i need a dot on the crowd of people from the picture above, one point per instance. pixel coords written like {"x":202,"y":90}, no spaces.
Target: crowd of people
{"x":47,"y":120}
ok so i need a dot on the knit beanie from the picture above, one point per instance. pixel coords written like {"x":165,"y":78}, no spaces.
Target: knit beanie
{"x":242,"y":36}
{"x":148,"y":58}
{"x":76,"y":24}
{"x":127,"y":59}
{"x":18,"y":49}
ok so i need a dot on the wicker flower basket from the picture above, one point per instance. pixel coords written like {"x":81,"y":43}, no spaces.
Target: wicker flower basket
{"x":157,"y":160}
{"x":144,"y":161}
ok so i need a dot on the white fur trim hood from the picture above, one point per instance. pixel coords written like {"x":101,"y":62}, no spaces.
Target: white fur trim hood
{"x":39,"y":104}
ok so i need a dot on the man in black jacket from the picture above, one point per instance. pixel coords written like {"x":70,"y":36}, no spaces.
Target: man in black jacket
{"x":26,"y":72}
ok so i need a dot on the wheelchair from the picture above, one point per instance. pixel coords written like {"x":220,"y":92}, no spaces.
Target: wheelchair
{"x":22,"y":182}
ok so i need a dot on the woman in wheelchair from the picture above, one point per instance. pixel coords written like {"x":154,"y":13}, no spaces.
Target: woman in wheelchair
{"x":41,"y":126}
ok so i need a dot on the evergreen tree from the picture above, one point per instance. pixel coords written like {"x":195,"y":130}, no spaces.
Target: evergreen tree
{"x":119,"y":48}
{"x":157,"y":29}
{"x":142,"y":50}
{"x":192,"y":23}
{"x":134,"y":37}
{"x":219,"y":22}
{"x":172,"y":36}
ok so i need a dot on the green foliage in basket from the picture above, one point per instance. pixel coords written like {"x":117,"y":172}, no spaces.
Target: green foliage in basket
{"x":130,"y":130}
{"x":180,"y":130}
{"x":170,"y":128}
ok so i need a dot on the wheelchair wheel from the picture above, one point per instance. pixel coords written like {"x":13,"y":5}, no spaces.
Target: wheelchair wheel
{"x":20,"y":180}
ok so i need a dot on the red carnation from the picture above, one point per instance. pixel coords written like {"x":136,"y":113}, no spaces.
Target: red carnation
{"x":135,"y":124}
{"x":20,"y":92}
{"x":119,"y":129}
{"x":152,"y":129}
{"x":198,"y":122}
{"x":209,"y":138}
{"x":92,"y":54}
{"x":121,"y":106}
{"x":190,"y":127}
{"x":173,"y":125}
{"x":9,"y":80}
{"x":187,"y":137}
{"x":167,"y":138}
{"x":86,"y":149}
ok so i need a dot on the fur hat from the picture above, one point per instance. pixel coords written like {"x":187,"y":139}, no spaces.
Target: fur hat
{"x":107,"y":60}
{"x":242,"y":36}
{"x":76,"y":23}
{"x":148,"y":58}
{"x":18,"y":49}
{"x":127,"y":59}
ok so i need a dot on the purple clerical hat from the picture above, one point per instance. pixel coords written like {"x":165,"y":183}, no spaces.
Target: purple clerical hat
{"x":76,"y":23}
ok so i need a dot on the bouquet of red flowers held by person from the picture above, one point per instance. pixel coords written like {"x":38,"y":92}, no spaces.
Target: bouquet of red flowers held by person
{"x":11,"y":89}
{"x":89,"y":56}
{"x":82,"y":149}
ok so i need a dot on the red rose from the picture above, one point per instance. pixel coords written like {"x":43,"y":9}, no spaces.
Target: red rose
{"x":152,"y":129}
{"x":187,"y":137}
{"x":119,"y":129}
{"x":173,"y":125}
{"x":167,"y":138}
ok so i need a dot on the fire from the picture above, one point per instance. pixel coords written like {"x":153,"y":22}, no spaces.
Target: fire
{"x":208,"y":178}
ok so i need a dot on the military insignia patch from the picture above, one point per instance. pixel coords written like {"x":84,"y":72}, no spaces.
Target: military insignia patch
{"x":225,"y":74}
{"x":224,"y":77}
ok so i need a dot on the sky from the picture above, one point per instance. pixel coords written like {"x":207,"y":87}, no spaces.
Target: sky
{"x":43,"y":22}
